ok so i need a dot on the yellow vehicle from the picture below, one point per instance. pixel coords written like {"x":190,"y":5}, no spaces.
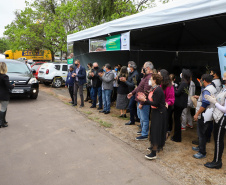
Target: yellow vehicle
{"x":43,"y":55}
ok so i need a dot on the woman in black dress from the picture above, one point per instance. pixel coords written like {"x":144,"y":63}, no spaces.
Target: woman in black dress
{"x":158,"y":126}
{"x":5,"y":86}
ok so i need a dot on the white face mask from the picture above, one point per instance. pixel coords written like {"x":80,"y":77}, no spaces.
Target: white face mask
{"x":128,"y":69}
{"x":181,"y":75}
{"x":150,"y":82}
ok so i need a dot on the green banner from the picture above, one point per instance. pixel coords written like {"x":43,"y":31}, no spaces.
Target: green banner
{"x":113,"y":43}
{"x":70,"y":61}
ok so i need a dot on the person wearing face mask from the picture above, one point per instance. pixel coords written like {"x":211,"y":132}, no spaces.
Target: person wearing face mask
{"x":143,"y":110}
{"x":219,"y":115}
{"x":79,"y":74}
{"x":115,"y":84}
{"x":216,"y":82}
{"x":107,"y":86}
{"x":204,"y":113}
{"x":181,"y":100}
{"x":96,"y":86}
{"x":89,"y":82}
{"x":156,"y":99}
{"x":132,"y":82}
{"x":70,"y":83}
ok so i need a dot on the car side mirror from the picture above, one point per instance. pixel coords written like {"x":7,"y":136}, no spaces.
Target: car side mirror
{"x":33,"y":71}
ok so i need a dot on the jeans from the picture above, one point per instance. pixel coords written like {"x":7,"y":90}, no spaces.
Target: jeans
{"x":97,"y":91}
{"x":132,"y":109}
{"x":202,"y":133}
{"x":143,"y":115}
{"x":106,"y":96}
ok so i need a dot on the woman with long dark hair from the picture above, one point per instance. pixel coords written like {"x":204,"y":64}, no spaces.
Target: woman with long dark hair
{"x":122,"y":91}
{"x":181,"y":100}
{"x":168,"y":90}
{"x":5,"y":87}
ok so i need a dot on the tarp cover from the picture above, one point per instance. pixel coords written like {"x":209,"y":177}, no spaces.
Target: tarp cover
{"x":177,"y":11}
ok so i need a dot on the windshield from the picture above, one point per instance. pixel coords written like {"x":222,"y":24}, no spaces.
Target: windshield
{"x":17,"y":68}
{"x":36,"y":67}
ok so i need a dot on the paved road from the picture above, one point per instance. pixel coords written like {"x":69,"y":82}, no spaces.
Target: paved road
{"x":50,"y":143}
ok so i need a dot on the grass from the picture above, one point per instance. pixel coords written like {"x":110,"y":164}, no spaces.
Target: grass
{"x":101,"y":122}
{"x":87,"y":112}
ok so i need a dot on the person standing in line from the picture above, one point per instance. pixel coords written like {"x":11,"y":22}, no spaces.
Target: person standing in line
{"x":181,"y":101}
{"x":132,"y":82}
{"x":156,"y":99}
{"x":169,"y":93}
{"x":204,"y":113}
{"x":70,"y":83}
{"x":123,"y":90}
{"x":219,"y":116}
{"x":89,"y":82}
{"x":5,"y":88}
{"x":186,"y":118}
{"x":142,"y":109}
{"x":216,"y":82}
{"x":96,"y":86}
{"x":80,"y":79}
{"x":107,"y":86}
{"x":115,"y":84}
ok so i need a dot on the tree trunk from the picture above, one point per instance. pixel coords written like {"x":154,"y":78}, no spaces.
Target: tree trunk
{"x":53,"y":54}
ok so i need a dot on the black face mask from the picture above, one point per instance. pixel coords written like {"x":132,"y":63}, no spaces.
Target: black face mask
{"x":96,"y":68}
{"x":144,"y":70}
{"x":76,"y":65}
{"x":223,"y":82}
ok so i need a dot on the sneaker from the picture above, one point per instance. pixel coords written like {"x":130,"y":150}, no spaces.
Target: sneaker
{"x":189,"y":126}
{"x":199,"y":156}
{"x":182,"y":128}
{"x":149,"y":149}
{"x":139,"y":133}
{"x":195,"y":142}
{"x":195,"y":148}
{"x":151,"y":156}
{"x":141,"y":138}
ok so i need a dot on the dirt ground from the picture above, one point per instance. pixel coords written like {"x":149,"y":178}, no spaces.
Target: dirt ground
{"x":176,"y":158}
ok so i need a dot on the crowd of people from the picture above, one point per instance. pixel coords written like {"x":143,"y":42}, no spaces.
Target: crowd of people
{"x":153,"y":98}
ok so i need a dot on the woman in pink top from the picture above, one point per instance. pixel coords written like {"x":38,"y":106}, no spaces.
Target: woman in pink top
{"x":168,"y":90}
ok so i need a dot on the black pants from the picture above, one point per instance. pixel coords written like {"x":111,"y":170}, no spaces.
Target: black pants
{"x":219,"y":131}
{"x":114,"y":94}
{"x":75,"y":91}
{"x":133,"y":109}
{"x":203,"y":133}
{"x":177,"y":127}
{"x":70,"y":89}
{"x":88,"y":88}
{"x":170,"y":118}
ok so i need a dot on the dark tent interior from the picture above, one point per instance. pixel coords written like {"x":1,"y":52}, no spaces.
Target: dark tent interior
{"x":189,"y":44}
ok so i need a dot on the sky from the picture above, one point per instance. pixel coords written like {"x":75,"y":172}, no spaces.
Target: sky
{"x":7,"y":9}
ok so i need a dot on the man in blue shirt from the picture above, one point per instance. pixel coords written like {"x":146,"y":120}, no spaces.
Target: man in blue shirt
{"x":70,"y":83}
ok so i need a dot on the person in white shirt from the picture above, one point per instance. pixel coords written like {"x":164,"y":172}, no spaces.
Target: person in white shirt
{"x":216,"y":82}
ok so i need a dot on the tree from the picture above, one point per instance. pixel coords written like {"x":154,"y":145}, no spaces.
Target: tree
{"x":4,"y":44}
{"x":45,"y":24}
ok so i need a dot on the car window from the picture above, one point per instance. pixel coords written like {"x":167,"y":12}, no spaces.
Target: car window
{"x":17,"y":68}
{"x":57,"y":67}
{"x":36,"y":67}
{"x":64,"y":68}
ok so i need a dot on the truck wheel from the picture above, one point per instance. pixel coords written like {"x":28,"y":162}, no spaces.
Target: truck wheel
{"x":57,"y":82}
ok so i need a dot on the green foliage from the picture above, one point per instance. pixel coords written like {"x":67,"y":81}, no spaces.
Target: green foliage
{"x":45,"y":24}
{"x":4,"y":45}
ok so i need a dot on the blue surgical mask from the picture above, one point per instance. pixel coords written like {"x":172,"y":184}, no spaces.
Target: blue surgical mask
{"x":104,"y":70}
{"x":116,"y":69}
